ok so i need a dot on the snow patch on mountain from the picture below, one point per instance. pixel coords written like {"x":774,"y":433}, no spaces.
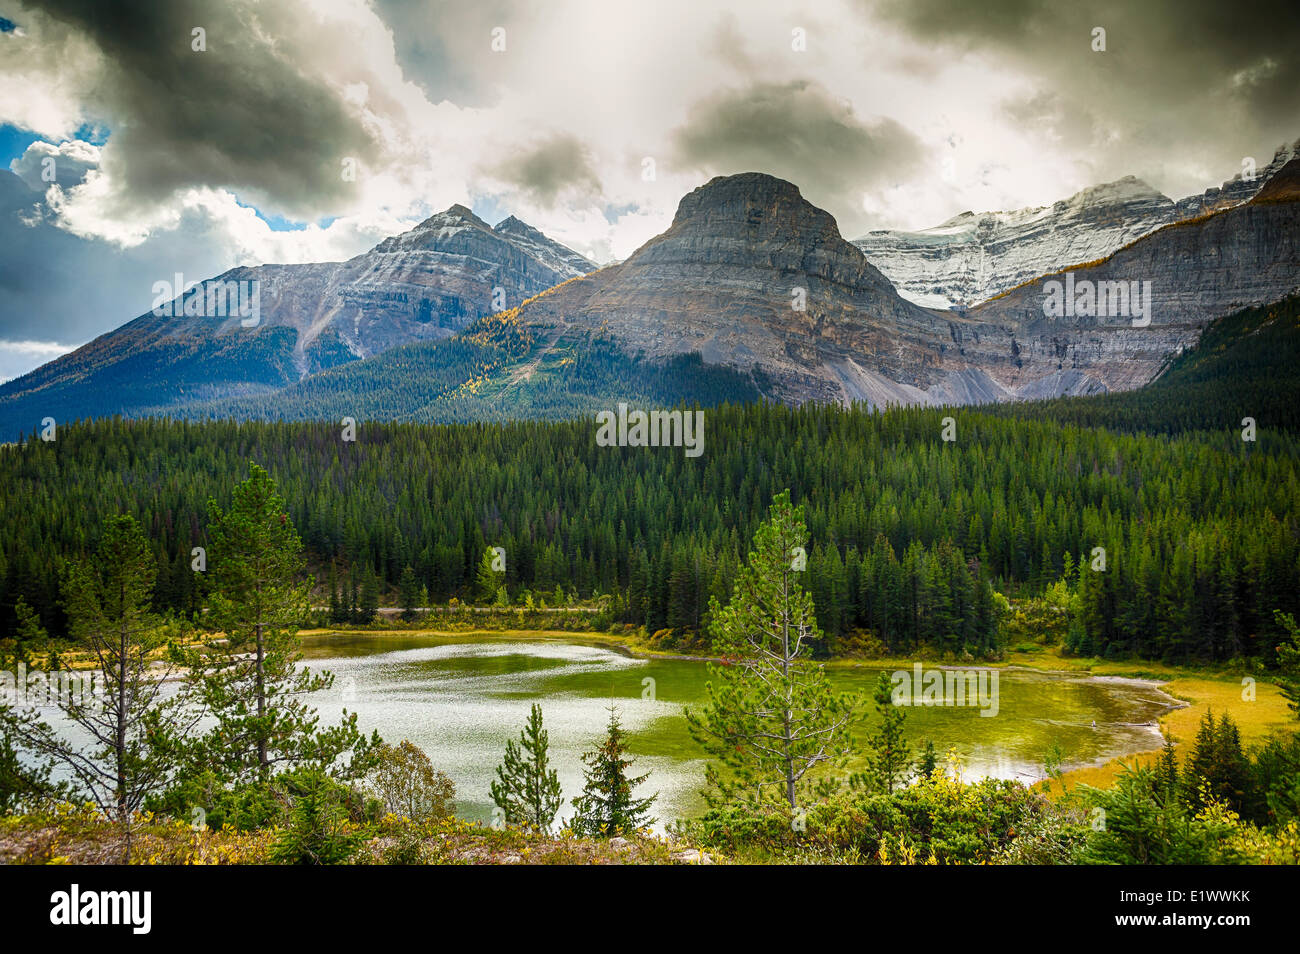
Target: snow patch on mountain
{"x":974,"y":256}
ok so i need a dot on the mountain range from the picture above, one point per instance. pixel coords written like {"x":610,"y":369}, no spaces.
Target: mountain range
{"x":974,"y":256}
{"x":427,"y":283}
{"x":751,"y":293}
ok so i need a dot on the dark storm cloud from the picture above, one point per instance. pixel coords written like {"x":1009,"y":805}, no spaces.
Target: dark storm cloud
{"x":1175,"y":70}
{"x":240,"y":115}
{"x":556,"y":166}
{"x":801,"y":133}
{"x":443,"y":45}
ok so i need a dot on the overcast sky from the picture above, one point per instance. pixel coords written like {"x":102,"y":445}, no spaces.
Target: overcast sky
{"x":887,"y":113}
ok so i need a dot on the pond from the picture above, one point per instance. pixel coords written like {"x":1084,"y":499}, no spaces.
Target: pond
{"x":460,"y":697}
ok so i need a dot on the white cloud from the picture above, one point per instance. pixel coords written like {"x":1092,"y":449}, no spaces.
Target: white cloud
{"x":618,"y":78}
{"x":19,"y":357}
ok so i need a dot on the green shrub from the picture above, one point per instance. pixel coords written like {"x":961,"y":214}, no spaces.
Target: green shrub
{"x":937,"y":820}
{"x":317,"y":830}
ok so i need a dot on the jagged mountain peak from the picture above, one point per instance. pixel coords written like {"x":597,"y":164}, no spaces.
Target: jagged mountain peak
{"x":513,"y":225}
{"x":454,"y":215}
{"x":536,"y":243}
{"x":453,"y":224}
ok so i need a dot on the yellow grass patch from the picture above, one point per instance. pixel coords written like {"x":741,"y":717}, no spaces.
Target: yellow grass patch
{"x":1257,"y":719}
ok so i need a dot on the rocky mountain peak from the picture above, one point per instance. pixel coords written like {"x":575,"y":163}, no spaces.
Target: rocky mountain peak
{"x":754,"y":220}
{"x":514,"y":226}
{"x":1283,"y":186}
{"x":565,"y":261}
{"x":749,"y":199}
{"x":1127,"y":189}
{"x":455,"y":214}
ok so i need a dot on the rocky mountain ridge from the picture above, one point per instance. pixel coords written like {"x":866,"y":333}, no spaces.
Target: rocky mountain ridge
{"x":972,"y":257}
{"x":425,"y":284}
{"x":725,"y":278}
{"x":752,"y":292}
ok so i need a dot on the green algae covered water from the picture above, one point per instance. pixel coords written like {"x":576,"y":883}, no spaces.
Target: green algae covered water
{"x":461,"y":697}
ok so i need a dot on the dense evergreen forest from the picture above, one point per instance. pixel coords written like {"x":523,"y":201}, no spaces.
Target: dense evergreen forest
{"x":911,"y":534}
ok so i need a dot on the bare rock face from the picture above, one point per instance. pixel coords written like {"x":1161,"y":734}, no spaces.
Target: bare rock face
{"x":725,"y":280}
{"x":426,"y":283}
{"x":1198,"y":270}
{"x":974,"y":256}
{"x":752,"y":275}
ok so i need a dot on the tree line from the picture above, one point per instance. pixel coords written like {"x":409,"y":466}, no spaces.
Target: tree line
{"x":910,"y":534}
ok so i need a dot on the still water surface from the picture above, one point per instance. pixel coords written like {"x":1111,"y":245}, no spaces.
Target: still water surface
{"x":461,"y":697}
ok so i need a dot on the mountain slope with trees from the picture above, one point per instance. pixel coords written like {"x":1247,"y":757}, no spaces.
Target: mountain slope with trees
{"x":910,"y":535}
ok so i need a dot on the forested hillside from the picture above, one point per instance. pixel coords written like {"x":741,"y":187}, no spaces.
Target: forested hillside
{"x":1245,"y":364}
{"x":497,"y":370}
{"x":908,"y":530}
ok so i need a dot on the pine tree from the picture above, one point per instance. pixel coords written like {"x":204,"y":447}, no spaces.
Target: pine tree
{"x":890,"y":755}
{"x":527,"y":789}
{"x":248,"y":682}
{"x":607,"y":806}
{"x":770,"y":715}
{"x":119,"y":763}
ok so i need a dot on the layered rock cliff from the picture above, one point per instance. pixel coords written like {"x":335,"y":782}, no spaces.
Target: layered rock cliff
{"x":724,"y":279}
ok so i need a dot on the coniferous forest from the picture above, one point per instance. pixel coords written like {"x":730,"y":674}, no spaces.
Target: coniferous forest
{"x":912,"y":536}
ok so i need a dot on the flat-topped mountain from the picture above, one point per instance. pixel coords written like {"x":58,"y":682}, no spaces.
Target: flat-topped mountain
{"x":752,"y":275}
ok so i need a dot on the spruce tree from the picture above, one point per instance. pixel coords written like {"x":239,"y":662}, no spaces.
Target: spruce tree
{"x":368,"y":608}
{"x":770,"y":716}
{"x":890,"y":755}
{"x":527,"y":789}
{"x":607,"y":806}
{"x":486,"y":580}
{"x":336,"y":607}
{"x":408,"y":588}
{"x":1288,"y":661}
{"x":928,"y":760}
{"x":1167,"y":781}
